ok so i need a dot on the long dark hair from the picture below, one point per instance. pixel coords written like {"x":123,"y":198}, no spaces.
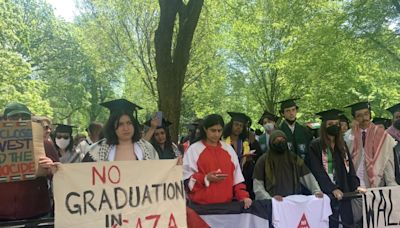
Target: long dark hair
{"x":168,"y":141}
{"x":339,"y":141}
{"x":112,"y":125}
{"x":228,"y":131}
{"x":209,"y":121}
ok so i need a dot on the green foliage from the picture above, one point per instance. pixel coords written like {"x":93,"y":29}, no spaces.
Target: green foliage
{"x":245,"y":56}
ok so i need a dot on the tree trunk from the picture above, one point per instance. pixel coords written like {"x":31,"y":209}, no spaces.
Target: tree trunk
{"x":171,"y":62}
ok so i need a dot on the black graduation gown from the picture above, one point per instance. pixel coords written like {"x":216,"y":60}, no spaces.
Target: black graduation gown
{"x":248,"y":168}
{"x":345,"y":181}
{"x":396,"y":151}
{"x":299,"y":140}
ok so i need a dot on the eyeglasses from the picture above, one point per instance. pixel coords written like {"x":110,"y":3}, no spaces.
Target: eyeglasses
{"x":62,"y":136}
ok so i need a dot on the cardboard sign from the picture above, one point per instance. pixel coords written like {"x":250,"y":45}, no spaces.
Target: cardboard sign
{"x":21,"y":145}
{"x":120,"y":194}
{"x":381,"y":207}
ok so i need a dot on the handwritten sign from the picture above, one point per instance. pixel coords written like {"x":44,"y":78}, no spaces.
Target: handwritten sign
{"x":21,"y":145}
{"x":120,"y":194}
{"x":381,"y":207}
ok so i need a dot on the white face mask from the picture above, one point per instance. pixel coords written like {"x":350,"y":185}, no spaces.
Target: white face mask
{"x":62,"y":143}
{"x":269,"y":126}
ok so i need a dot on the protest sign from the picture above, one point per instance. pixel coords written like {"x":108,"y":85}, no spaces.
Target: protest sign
{"x":21,"y":145}
{"x":381,"y":207}
{"x":120,"y":194}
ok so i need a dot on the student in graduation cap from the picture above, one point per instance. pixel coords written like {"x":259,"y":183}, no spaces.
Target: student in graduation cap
{"x":371,"y":149}
{"x":268,"y":121}
{"x":382,"y":122}
{"x":64,"y":143}
{"x":394,"y":131}
{"x":122,"y":136}
{"x":247,"y":148}
{"x":331,"y":164}
{"x":158,"y":135}
{"x":344,"y":123}
{"x":193,"y":134}
{"x":298,"y":136}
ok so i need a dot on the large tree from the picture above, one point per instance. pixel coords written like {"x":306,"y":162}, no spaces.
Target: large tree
{"x":173,"y":41}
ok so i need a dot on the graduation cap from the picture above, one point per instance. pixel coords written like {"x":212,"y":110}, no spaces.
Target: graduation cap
{"x":195,"y":124}
{"x":63,"y":128}
{"x":164,"y":124}
{"x":119,"y":105}
{"x":241,"y":117}
{"x":343,"y":118}
{"x":331,"y":114}
{"x":288,"y":103}
{"x":358,"y":106}
{"x":268,"y":115}
{"x":394,"y":108}
{"x":384,"y":121}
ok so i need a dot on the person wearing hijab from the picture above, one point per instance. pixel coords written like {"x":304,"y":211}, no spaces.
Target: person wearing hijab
{"x":122,"y":136}
{"x":279,"y":172}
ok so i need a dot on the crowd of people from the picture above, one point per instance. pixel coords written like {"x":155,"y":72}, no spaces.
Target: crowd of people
{"x":228,"y":162}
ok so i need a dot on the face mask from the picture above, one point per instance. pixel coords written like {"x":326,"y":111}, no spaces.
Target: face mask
{"x":269,"y":126}
{"x":396,"y":124}
{"x":279,"y":147}
{"x":62,"y":143}
{"x":333,"y":130}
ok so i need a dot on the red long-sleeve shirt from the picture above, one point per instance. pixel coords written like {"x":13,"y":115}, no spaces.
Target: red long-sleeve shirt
{"x":201,"y":159}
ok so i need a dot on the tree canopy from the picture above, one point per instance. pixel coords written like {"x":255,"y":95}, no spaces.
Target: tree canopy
{"x":192,"y":58}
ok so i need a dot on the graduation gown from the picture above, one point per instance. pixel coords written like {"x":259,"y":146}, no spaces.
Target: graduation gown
{"x":396,"y":150}
{"x":299,"y":140}
{"x":345,"y":179}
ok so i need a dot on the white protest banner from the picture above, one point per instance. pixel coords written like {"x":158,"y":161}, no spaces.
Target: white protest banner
{"x":120,"y":194}
{"x":381,"y":207}
{"x":21,"y":145}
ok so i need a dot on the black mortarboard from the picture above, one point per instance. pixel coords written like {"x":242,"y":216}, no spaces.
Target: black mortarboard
{"x":384,"y":121}
{"x":119,"y":105}
{"x":394,"y":108}
{"x":165,"y":123}
{"x":192,"y":126}
{"x":343,"y":118}
{"x":288,"y":103}
{"x":331,"y":114}
{"x":63,"y":128}
{"x":268,"y":115}
{"x":241,"y":117}
{"x":358,"y":106}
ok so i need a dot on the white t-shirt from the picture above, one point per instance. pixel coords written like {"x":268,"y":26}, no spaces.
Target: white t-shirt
{"x":301,"y":211}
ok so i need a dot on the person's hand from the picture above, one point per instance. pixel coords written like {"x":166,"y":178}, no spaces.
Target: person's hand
{"x":48,"y":164}
{"x":45,"y":162}
{"x":361,"y":190}
{"x":247,"y":203}
{"x":320,"y":194}
{"x":216,"y":176}
{"x":278,"y":198}
{"x":337,"y":194}
{"x":155,"y":122}
{"x":179,"y":160}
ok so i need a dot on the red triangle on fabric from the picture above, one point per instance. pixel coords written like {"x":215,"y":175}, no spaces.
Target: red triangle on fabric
{"x":303,"y":222}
